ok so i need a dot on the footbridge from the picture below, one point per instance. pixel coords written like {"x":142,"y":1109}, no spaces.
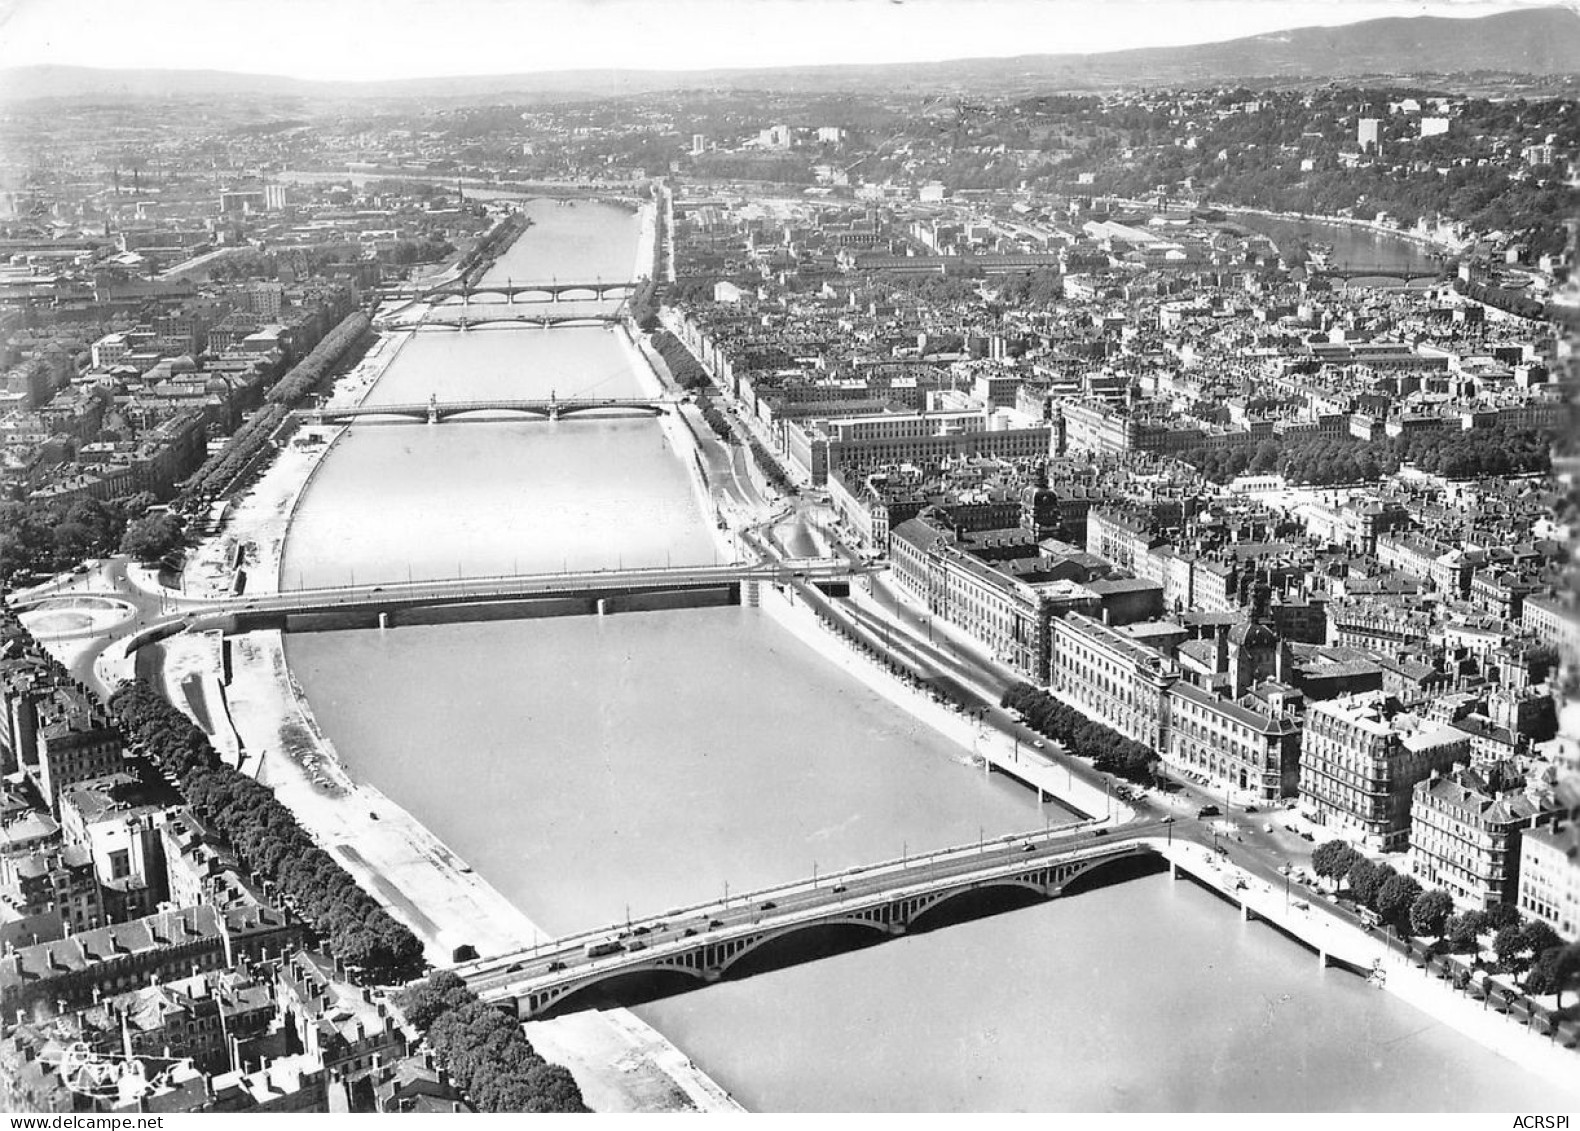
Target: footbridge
{"x":703,"y":943}
{"x":435,"y":411}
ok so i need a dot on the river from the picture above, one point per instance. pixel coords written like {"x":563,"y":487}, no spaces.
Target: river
{"x":587,"y":765}
{"x":1353,"y":246}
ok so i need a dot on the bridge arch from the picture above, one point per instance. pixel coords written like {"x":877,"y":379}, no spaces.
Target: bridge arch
{"x":373,"y":414}
{"x":538,"y":1003}
{"x":622,"y":408}
{"x":730,"y":952}
{"x":484,"y":412}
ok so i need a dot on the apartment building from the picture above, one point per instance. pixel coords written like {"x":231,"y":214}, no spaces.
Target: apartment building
{"x":1361,"y":757}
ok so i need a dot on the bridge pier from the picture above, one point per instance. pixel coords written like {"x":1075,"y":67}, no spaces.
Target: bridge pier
{"x":603,"y":606}
{"x":384,"y":621}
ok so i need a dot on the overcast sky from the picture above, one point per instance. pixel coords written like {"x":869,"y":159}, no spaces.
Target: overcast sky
{"x":377,"y":39}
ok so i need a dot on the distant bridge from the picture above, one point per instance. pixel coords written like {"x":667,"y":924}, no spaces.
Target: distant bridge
{"x":436,"y":411}
{"x":430,"y":323}
{"x":702,"y":944}
{"x":511,"y":292}
{"x":1379,"y":271}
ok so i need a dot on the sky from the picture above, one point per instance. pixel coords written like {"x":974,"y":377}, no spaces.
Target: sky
{"x":390,"y":39}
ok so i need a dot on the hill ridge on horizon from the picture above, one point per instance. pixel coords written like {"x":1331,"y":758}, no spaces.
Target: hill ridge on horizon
{"x":1535,"y":41}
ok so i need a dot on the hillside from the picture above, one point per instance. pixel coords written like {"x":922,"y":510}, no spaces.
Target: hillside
{"x":1542,"y":41}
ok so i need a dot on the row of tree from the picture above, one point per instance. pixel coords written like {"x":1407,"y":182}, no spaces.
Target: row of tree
{"x":475,"y":263}
{"x":242,"y":454}
{"x":771,"y":468}
{"x":716,"y":419}
{"x":1523,"y":947}
{"x":1110,"y":751}
{"x":485,"y":1053}
{"x":268,"y":840}
{"x":684,"y":367}
{"x":1321,"y":460}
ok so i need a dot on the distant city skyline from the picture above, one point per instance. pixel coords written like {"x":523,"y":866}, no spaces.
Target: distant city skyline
{"x":362,"y":40}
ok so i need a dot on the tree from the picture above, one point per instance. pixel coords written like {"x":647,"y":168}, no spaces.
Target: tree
{"x":152,"y":537}
{"x":1464,"y":932}
{"x":1557,"y":969}
{"x":1365,"y":880}
{"x":1500,"y":915}
{"x":1509,"y":945}
{"x":1395,"y":898}
{"x":1429,"y":913}
{"x":1333,"y":859}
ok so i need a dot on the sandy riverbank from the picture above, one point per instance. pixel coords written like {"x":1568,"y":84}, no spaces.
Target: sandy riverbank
{"x":647,"y":238}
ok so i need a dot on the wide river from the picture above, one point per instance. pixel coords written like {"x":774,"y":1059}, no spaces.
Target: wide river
{"x":587,"y":766}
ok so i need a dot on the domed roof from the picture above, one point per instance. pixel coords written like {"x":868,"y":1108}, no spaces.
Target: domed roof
{"x":1252,"y":635}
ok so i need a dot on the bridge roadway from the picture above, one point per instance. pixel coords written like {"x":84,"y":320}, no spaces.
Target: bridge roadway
{"x":703,"y":942}
{"x":394,"y":595}
{"x":1379,"y":271}
{"x":555,"y":291}
{"x":435,"y":411}
{"x":430,"y":323}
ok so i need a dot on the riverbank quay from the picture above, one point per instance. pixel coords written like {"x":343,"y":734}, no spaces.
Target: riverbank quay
{"x":1338,"y":942}
{"x":684,"y":443}
{"x":1436,"y":243}
{"x":983,"y":745}
{"x":620,"y":1064}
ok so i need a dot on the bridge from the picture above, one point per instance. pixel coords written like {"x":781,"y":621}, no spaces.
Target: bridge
{"x":436,"y":411}
{"x":703,"y":943}
{"x":429,"y":324}
{"x":550,"y":292}
{"x":489,"y":598}
{"x":1378,"y":271}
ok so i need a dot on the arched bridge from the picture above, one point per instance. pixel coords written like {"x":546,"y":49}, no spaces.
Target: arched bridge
{"x":705,"y":942}
{"x":555,"y":291}
{"x":436,"y":411}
